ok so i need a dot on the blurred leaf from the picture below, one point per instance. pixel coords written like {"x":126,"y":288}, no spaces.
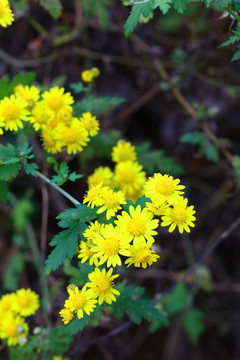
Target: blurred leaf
{"x":77,"y":87}
{"x":59,"y":340}
{"x":193,"y":138}
{"x":203,"y":278}
{"x":13,"y":270}
{"x":180,"y":5}
{"x":3,"y":191}
{"x":77,"y":325}
{"x":193,"y":324}
{"x":236,"y":165}
{"x":22,"y":211}
{"x":54,"y":7}
{"x":79,"y":275}
{"x":134,"y":17}
{"x":177,"y":300}
{"x":97,"y":105}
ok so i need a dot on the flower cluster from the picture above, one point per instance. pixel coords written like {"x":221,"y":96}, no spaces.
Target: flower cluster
{"x":6,"y":15}
{"x":89,"y":75}
{"x":14,"y":308}
{"x":51,"y":114}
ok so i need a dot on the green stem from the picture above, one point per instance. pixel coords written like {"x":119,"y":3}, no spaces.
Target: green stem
{"x":231,"y":12}
{"x":63,"y":192}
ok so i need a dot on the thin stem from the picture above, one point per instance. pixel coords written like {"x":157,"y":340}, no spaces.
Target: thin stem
{"x":63,"y":192}
{"x":140,"y":2}
{"x":233,"y":14}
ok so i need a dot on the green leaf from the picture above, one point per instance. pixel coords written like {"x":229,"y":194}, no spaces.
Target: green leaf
{"x":60,"y":339}
{"x":97,"y":105}
{"x":164,"y":5}
{"x":12,"y":273}
{"x":79,"y":324}
{"x":78,"y":276}
{"x":77,"y":87}
{"x":22,"y":212}
{"x":3,"y":191}
{"x":10,"y":162}
{"x":177,"y":300}
{"x":210,"y":151}
{"x":193,"y":138}
{"x":180,"y":5}
{"x":54,"y":7}
{"x":82,"y":213}
{"x":133,"y":19}
{"x":193,"y":324}
{"x":31,"y":169}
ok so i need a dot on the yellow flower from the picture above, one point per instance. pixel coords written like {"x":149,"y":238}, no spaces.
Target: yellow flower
{"x":164,"y":186}
{"x":102,"y":286}
{"x":141,"y":254}
{"x":50,"y":140}
{"x":101,"y":174}
{"x":92,"y":230}
{"x":12,"y":112}
{"x":123,"y":151}
{"x":87,"y":76}
{"x":41,"y":116}
{"x":157,"y":206}
{"x":95,"y":72}
{"x":29,"y":94}
{"x":55,"y":99}
{"x":86,"y":253}
{"x":64,"y":116}
{"x":94,"y":196}
{"x":74,"y":136}
{"x":80,"y":301}
{"x":6,"y":303}
{"x":90,"y":123}
{"x":26,"y":302}
{"x":14,"y":330}
{"x":129,"y":177}
{"x":111,"y":202}
{"x":137,"y":225}
{"x":109,"y":245}
{"x":6,"y":15}
{"x":67,"y":315}
{"x":180,"y":215}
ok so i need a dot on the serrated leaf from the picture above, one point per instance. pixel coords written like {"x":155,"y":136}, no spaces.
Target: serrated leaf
{"x":193,"y":324}
{"x":54,"y":7}
{"x":180,"y":5}
{"x":193,"y":138}
{"x":211,"y":152}
{"x":97,"y":105}
{"x":176,"y":300}
{"x":74,"y":176}
{"x":77,"y":87}
{"x":164,"y":5}
{"x":31,"y":169}
{"x":133,"y":19}
{"x":3,"y":191}
{"x":79,"y":324}
{"x":82,"y":213}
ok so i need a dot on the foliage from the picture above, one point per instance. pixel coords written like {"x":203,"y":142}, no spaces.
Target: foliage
{"x":63,"y":172}
{"x":54,"y":7}
{"x":193,"y":324}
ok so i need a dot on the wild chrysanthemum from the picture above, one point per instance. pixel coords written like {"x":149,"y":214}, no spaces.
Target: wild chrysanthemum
{"x":101,"y":174}
{"x":13,"y":111}
{"x":102,"y":286}
{"x":55,"y":99}
{"x":14,"y":330}
{"x":90,"y":123}
{"x":95,"y":72}
{"x":41,"y":116}
{"x":6,"y":15}
{"x":86,"y":253}
{"x":74,"y":136}
{"x":93,"y":197}
{"x":137,"y":224}
{"x":30,"y":94}
{"x":87,"y":76}
{"x":95,"y":228}
{"x":80,"y":301}
{"x":157,"y":206}
{"x":67,"y":315}
{"x":50,"y":140}
{"x":141,"y":254}
{"x":164,"y":186}
{"x":6,"y":303}
{"x":64,"y":116}
{"x":109,"y":245}
{"x":26,"y":302}
{"x":179,"y":215}
{"x":129,"y":177}
{"x":123,"y":151}
{"x":111,"y":202}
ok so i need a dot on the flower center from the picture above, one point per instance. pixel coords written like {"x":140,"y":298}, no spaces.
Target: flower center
{"x":78,"y":301}
{"x":143,"y":255}
{"x":165,"y":187}
{"x":127,"y":177}
{"x":10,"y":111}
{"x":42,"y":118}
{"x":11,"y":330}
{"x":55,"y":102}
{"x":24,"y":301}
{"x":70,"y":137}
{"x":179,"y":216}
{"x":136,"y":226}
{"x":111,"y":246}
{"x":103,"y":284}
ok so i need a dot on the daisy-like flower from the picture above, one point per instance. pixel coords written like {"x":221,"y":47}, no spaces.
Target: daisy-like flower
{"x":80,"y":301}
{"x":30,"y":94}
{"x":55,"y":99}
{"x":157,"y":206}
{"x":141,"y":254}
{"x":87,"y":76}
{"x":50,"y":140}
{"x":137,"y":224}
{"x":13,"y":111}
{"x":101,"y":174}
{"x":95,"y":72}
{"x":67,"y":315}
{"x":6,"y":303}
{"x":102,"y":286}
{"x":109,"y":245}
{"x":129,"y":177}
{"x":92,"y":230}
{"x":26,"y":302}
{"x":41,"y":116}
{"x":164,"y":186}
{"x":74,"y":136}
{"x":6,"y":15}
{"x":123,"y":151}
{"x":94,"y":196}
{"x":111,"y":202}
{"x":179,"y":215}
{"x":64,"y":116}
{"x":90,"y":123}
{"x":14,"y":330}
{"x":86,"y":253}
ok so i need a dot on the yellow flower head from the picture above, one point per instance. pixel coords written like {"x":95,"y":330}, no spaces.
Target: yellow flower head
{"x":137,"y":224}
{"x":129,"y":177}
{"x":6,"y":303}
{"x":27,"y":93}
{"x":80,"y":301}
{"x":109,"y":245}
{"x":164,"y":186}
{"x":87,"y":76}
{"x":74,"y":136}
{"x":90,"y":123}
{"x":67,"y":315}
{"x":14,"y":330}
{"x":111,"y":202}
{"x":141,"y":254}
{"x":179,"y":215}
{"x":41,"y":116}
{"x":101,"y":174}
{"x":94,"y":196}
{"x":50,"y":140}
{"x":55,"y":99}
{"x":26,"y":302}
{"x":95,"y":72}
{"x":64,"y":116}
{"x":92,"y":230}
{"x":6,"y":15}
{"x":86,"y":253}
{"x":102,"y":286}
{"x":157,"y":206}
{"x":12,"y":111}
{"x":123,"y":151}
